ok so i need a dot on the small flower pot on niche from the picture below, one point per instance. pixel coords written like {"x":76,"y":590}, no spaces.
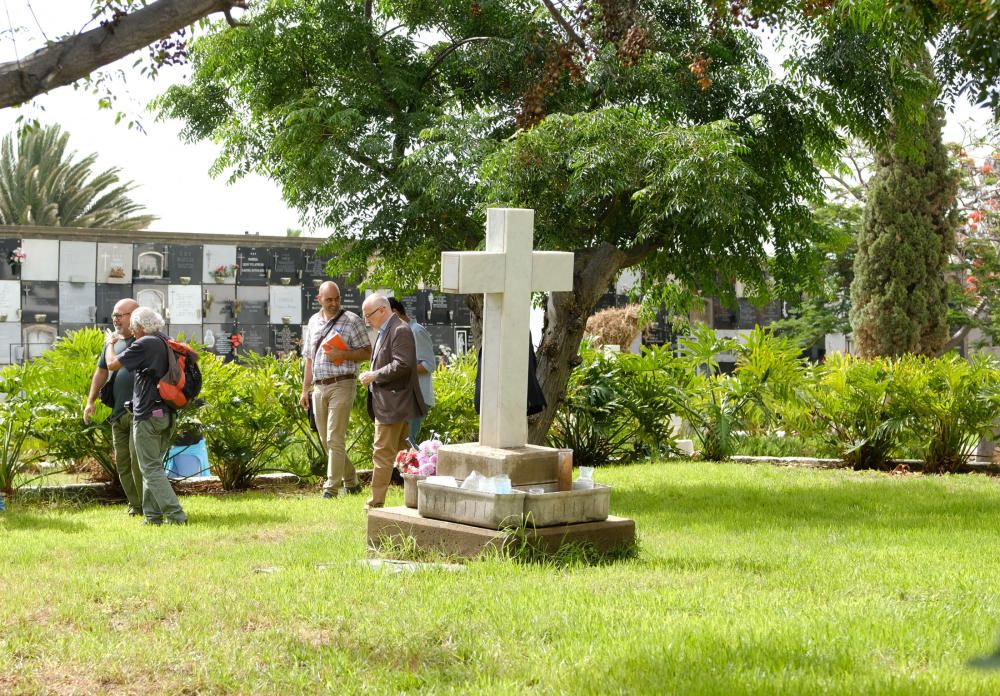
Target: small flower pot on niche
{"x":286,"y":320}
{"x":286,"y":281}
{"x":185,"y":280}
{"x":3,"y":317}
{"x":40,"y":318}
{"x":317,"y":282}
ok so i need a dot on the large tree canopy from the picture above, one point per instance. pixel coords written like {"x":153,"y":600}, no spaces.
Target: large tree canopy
{"x":73,"y":57}
{"x":643,"y":137}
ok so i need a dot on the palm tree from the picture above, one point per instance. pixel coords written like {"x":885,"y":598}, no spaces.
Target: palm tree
{"x":41,"y":184}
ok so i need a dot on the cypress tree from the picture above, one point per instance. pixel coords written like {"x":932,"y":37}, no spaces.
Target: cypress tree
{"x":899,"y":294}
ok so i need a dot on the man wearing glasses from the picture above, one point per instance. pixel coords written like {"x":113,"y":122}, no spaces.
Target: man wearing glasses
{"x":331,"y":373}
{"x":126,"y":460}
{"x":394,"y":397}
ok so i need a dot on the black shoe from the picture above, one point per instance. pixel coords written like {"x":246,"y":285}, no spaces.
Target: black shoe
{"x":329,"y":493}
{"x":153,"y":522}
{"x":354,"y":490}
{"x":177,"y":522}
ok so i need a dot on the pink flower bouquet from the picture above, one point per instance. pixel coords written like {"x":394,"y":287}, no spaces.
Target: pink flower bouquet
{"x":421,"y":461}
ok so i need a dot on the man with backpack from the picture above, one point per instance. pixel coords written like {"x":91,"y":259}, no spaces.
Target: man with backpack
{"x":152,"y":419}
{"x":333,"y":371}
{"x":126,"y":461}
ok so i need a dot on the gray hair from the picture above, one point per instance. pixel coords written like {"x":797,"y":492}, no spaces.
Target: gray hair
{"x":146,"y":319}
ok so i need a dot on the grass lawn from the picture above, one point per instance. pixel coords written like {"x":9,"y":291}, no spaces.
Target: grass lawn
{"x":749,"y":579}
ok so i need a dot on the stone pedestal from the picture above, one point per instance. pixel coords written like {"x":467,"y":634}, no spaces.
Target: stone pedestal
{"x":399,"y":523}
{"x":525,"y":465}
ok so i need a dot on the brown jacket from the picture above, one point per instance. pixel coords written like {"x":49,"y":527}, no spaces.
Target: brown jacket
{"x":394,"y":396}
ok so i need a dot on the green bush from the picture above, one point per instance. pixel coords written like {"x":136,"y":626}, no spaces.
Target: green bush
{"x":953,"y":403}
{"x":616,"y":408}
{"x":854,"y":409}
{"x":247,"y":418}
{"x":453,"y":416}
{"x":768,"y":376}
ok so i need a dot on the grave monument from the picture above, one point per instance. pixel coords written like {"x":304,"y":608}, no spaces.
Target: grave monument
{"x":506,"y":273}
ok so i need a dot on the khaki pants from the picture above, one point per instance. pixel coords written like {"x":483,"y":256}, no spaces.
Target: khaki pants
{"x":389,"y":439}
{"x":152,"y":440}
{"x":332,"y":404}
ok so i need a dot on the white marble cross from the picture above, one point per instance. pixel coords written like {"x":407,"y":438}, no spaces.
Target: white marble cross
{"x":507,"y":273}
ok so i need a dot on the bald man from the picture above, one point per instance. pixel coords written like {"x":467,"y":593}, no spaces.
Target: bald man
{"x":126,"y":460}
{"x":331,"y":386}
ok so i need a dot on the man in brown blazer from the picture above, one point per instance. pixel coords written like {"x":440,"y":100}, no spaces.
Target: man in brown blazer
{"x":393,"y":390}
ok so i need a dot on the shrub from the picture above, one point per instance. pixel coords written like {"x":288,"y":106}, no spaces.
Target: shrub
{"x":616,"y":409}
{"x":768,"y":374}
{"x":247,"y":415}
{"x":55,"y":386}
{"x":855,"y":411}
{"x":15,"y":426}
{"x":959,"y":403}
{"x":453,"y":416}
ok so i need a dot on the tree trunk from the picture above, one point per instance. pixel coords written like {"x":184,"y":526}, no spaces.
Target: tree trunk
{"x":64,"y":62}
{"x":565,"y":322}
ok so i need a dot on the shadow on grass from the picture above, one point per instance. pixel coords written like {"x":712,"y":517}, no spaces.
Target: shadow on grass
{"x":871,"y":503}
{"x":25,"y":520}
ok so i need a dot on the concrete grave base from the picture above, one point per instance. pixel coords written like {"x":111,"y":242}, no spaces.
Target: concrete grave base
{"x":525,"y":465}
{"x":452,"y":538}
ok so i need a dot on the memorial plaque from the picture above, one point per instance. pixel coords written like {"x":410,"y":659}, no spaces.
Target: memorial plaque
{"x":255,"y":265}
{"x":185,"y":263}
{"x":416,"y":306}
{"x":256,"y":339}
{"x":442,"y":336}
{"x":77,"y":262}
{"x":351,"y":298}
{"x":184,"y":302}
{"x":42,"y":261}
{"x":216,"y":338}
{"x":460,"y":314}
{"x":286,"y":263}
{"x":219,"y":264}
{"x":252,"y":304}
{"x":10,"y":268}
{"x":440,"y":310}
{"x":217,"y":303}
{"x":40,"y":302}
{"x":286,"y":305}
{"x":107,"y":297}
{"x":150,"y":262}
{"x":10,"y":301}
{"x":309,"y":303}
{"x":114,"y":263}
{"x":78,"y":303}
{"x":188,"y":333}
{"x":11,"y":350}
{"x":37,"y":339}
{"x":286,"y":339}
{"x":313,"y":267}
{"x":463,"y":339}
{"x":154,"y":297}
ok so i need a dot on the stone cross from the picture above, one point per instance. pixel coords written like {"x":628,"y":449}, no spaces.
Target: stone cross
{"x":507,"y":272}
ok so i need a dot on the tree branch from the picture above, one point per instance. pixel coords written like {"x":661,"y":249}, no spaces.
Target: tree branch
{"x":64,"y":62}
{"x":448,"y":51}
{"x":564,"y":23}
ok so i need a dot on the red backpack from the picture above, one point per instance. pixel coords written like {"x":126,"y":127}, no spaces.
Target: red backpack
{"x":182,"y":383}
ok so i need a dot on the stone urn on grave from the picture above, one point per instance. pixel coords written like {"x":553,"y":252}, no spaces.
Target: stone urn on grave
{"x":459,"y":521}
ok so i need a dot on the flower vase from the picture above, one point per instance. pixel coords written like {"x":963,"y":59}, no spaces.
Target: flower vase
{"x":410,"y":489}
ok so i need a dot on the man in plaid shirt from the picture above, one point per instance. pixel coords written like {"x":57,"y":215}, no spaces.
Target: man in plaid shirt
{"x":333,"y":385}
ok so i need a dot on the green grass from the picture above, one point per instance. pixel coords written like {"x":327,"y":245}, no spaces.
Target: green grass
{"x":749,"y":579}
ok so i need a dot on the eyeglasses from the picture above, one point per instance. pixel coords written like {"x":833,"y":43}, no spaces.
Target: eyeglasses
{"x":369,"y":314}
{"x":119,"y":316}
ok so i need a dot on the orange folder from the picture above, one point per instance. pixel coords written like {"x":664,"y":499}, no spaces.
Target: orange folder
{"x":335,"y":341}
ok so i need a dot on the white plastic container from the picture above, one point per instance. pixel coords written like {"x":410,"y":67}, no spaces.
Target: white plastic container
{"x":478,"y":508}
